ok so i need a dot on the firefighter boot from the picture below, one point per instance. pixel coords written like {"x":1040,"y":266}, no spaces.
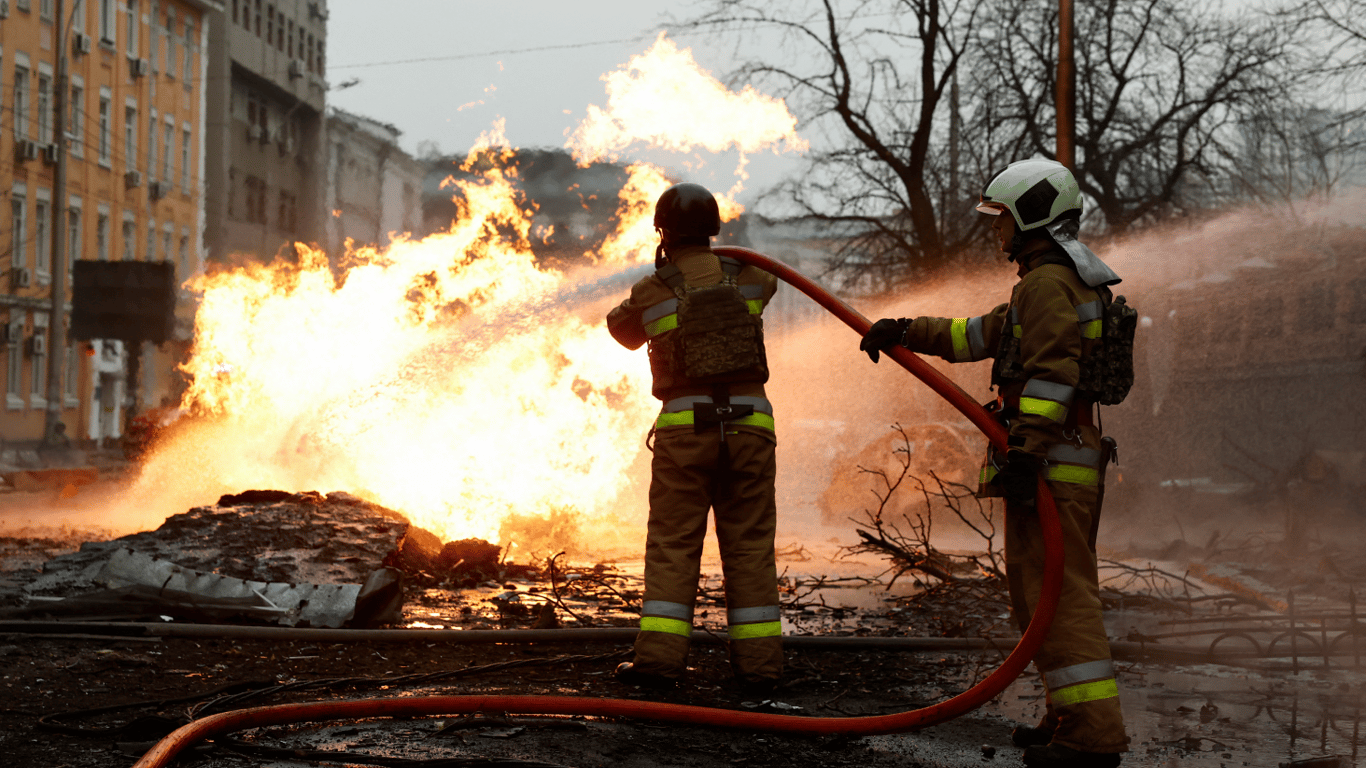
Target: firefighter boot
{"x":1058,"y":756}
{"x":1031,"y":736}
{"x":628,"y":673}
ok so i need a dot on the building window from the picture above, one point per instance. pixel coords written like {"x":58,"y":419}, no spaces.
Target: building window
{"x":289,"y":41}
{"x":44,"y":107}
{"x":166,"y":243}
{"x":130,"y":138}
{"x":18,"y":226}
{"x":45,"y":10}
{"x":256,"y":200}
{"x":102,"y":236}
{"x":107,"y":24}
{"x":183,"y":261}
{"x":308,"y":53}
{"x":76,"y":125}
{"x":258,"y":123}
{"x":188,"y":75}
{"x":170,"y":42}
{"x":73,"y":238}
{"x":106,"y":127}
{"x":20,"y":101}
{"x":14,"y":365}
{"x":38,"y":372}
{"x":151,"y":241}
{"x":167,"y":146}
{"x":258,"y":18}
{"x":69,"y":377}
{"x":185,"y":160}
{"x":131,"y":28}
{"x":129,"y":238}
{"x":152,"y":147}
{"x":235,"y":19}
{"x":289,"y":213}
{"x":42,"y":220}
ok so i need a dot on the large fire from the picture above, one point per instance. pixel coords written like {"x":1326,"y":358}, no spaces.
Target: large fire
{"x":448,"y":377}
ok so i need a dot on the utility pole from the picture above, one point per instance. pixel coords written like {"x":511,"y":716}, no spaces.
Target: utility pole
{"x":56,"y":324}
{"x":1065,"y":92}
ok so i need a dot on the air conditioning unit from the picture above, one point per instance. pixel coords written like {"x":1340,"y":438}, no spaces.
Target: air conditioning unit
{"x":132,"y":179}
{"x":139,"y":67}
{"x":50,"y":153}
{"x":158,"y":189}
{"x":82,"y":43}
{"x":25,"y":150}
{"x":4,"y":9}
{"x":254,"y":133}
{"x":37,"y":344}
{"x":21,"y":277}
{"x":296,"y":68}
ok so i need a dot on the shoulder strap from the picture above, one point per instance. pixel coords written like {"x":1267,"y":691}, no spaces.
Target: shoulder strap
{"x":731,"y":266}
{"x":671,"y":276}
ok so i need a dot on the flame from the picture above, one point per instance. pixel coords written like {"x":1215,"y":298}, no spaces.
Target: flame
{"x":665,"y":98}
{"x":447,"y":377}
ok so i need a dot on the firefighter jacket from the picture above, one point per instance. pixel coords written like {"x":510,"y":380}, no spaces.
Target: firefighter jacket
{"x":1038,"y":341}
{"x":650,"y":314}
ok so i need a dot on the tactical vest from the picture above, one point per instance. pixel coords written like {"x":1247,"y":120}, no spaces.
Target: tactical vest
{"x":717,"y":338}
{"x":1106,"y":371}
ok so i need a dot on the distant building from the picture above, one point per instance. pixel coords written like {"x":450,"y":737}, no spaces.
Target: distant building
{"x":135,"y":144}
{"x":372,"y":188}
{"x":265,"y":97}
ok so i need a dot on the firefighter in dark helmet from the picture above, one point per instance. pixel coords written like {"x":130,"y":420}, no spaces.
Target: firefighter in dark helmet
{"x":713,"y":444}
{"x":1046,"y":342}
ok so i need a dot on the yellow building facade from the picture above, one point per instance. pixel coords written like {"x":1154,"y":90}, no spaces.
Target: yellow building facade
{"x":134,"y":154}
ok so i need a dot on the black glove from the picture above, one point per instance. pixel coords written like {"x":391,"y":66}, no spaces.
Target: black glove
{"x":1019,"y":478}
{"x":884,"y":334}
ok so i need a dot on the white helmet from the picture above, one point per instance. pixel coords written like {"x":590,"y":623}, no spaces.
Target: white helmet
{"x":1043,"y":194}
{"x":1037,"y":192}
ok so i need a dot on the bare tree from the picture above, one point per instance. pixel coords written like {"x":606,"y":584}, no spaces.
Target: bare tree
{"x":875,"y":75}
{"x":1162,"y":87}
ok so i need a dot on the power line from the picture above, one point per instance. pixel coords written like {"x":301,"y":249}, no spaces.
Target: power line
{"x":506,"y":52}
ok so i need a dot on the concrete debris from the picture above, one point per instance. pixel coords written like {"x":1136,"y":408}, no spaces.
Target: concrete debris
{"x":288,"y":558}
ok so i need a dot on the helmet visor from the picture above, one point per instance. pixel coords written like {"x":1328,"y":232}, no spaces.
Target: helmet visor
{"x":995,"y":209}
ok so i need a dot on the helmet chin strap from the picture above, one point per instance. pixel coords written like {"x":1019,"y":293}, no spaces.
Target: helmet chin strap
{"x":661,"y":259}
{"x":1017,"y":244}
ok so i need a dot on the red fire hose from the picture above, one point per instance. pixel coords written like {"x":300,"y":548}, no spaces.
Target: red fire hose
{"x":215,"y":725}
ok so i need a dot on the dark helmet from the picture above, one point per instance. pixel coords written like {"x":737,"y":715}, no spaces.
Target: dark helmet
{"x":688,"y":210}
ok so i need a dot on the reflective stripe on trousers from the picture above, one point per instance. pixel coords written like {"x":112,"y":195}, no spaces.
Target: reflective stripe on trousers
{"x":750,"y":623}
{"x":664,"y":616}
{"x":1080,"y":683}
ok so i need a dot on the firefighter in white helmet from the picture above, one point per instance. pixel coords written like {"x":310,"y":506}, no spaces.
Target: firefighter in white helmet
{"x":713,"y":442}
{"x":1045,"y":343}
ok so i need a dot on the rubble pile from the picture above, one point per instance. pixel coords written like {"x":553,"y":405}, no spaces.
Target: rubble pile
{"x":291,"y":558}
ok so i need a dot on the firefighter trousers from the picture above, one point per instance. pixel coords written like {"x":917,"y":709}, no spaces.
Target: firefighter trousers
{"x":687,"y":480}
{"x":1074,"y":660}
